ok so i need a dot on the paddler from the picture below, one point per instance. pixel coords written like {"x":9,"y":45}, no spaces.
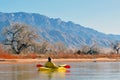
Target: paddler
{"x":50,"y":64}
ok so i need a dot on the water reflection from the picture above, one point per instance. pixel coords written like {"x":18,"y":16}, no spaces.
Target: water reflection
{"x":55,"y":75}
{"x":78,"y":71}
{"x":96,"y":70}
{"x":16,"y":72}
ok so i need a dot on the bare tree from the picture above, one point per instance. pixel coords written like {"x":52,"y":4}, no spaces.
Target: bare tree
{"x":94,"y":49}
{"x":116,"y":46}
{"x":59,"y":47}
{"x":19,"y":37}
{"x":84,"y":49}
{"x":40,"y":47}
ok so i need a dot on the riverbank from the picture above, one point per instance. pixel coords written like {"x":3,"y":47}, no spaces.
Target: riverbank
{"x":35,"y":58}
{"x":17,"y":61}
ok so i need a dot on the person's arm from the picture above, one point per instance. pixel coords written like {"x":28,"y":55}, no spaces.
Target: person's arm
{"x":54,"y":66}
{"x":46,"y":64}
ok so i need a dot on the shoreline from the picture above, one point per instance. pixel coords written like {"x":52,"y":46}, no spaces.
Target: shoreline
{"x":17,"y":61}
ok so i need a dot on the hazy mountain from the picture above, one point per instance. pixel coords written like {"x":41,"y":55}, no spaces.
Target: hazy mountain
{"x":54,"y":30}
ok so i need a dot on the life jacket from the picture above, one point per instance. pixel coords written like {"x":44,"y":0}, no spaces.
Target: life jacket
{"x":50,"y":65}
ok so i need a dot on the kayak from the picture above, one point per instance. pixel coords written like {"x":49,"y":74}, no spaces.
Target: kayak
{"x":59,"y":69}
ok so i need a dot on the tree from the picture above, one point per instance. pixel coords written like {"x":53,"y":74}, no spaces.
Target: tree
{"x":40,"y":47}
{"x":85,"y":49}
{"x":19,"y":37}
{"x":59,"y":47}
{"x":94,"y":49}
{"x":116,"y":46}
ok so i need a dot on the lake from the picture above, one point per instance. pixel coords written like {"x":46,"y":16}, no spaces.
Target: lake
{"x":78,"y":71}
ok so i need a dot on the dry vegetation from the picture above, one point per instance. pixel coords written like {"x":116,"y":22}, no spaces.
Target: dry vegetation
{"x":81,"y":56}
{"x":5,"y":55}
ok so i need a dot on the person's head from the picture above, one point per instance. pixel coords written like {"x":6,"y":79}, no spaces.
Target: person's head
{"x":49,"y":59}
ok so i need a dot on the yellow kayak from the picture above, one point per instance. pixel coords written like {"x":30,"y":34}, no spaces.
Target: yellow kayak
{"x":59,"y":69}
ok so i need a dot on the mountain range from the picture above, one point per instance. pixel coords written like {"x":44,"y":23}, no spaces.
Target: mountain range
{"x":57,"y":30}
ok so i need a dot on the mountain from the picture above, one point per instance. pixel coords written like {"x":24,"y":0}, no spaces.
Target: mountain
{"x":54,"y":30}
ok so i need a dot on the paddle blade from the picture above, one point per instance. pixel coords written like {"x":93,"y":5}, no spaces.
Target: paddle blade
{"x":39,"y":65}
{"x":67,"y":66}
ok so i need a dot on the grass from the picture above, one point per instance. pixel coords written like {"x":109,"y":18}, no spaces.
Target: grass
{"x":5,"y":55}
{"x":57,"y":56}
{"x":84,"y":56}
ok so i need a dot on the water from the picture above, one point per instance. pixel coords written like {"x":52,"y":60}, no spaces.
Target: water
{"x":78,"y":71}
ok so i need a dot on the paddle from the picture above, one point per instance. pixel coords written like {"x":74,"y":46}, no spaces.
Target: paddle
{"x":65,"y":65}
{"x":39,"y":65}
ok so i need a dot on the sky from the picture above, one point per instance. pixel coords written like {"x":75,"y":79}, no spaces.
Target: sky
{"x":101,"y":15}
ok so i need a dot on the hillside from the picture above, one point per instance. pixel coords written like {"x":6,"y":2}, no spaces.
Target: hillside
{"x":54,"y":30}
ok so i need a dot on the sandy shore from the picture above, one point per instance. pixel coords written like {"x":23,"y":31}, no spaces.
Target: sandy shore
{"x":7,"y":61}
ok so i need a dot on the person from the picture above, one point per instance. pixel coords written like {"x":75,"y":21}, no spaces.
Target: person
{"x":50,"y":64}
